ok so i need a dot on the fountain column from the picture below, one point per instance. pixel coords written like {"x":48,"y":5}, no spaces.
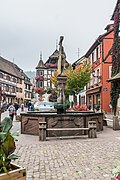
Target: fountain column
{"x":61,"y":107}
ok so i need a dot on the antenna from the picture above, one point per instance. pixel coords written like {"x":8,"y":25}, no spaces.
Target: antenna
{"x":57,"y":44}
{"x":13,"y":60}
{"x":78,"y":53}
{"x":40,"y":55}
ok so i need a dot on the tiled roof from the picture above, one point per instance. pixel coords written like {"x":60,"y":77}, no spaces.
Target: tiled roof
{"x":9,"y":67}
{"x":54,"y":57}
{"x":55,"y":54}
{"x":40,"y":64}
{"x":97,"y":42}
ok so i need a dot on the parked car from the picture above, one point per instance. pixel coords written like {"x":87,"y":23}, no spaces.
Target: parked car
{"x":43,"y":106}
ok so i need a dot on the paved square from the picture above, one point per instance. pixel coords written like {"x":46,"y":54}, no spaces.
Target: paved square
{"x":69,"y":159}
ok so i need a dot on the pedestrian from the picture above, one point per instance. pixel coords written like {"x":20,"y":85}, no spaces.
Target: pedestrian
{"x":22,"y":107}
{"x":4,"y":106}
{"x":29,"y":104}
{"x":31,"y":107}
{"x":16,"y":105}
{"x":12,"y":111}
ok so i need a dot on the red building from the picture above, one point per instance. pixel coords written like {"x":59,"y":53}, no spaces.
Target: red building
{"x":99,"y":55}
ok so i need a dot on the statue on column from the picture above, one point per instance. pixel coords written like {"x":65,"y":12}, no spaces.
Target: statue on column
{"x":61,"y":58}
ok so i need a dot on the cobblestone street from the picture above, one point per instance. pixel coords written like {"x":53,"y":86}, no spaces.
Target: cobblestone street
{"x":69,"y":159}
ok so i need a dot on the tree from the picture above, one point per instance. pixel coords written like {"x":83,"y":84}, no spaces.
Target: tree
{"x":76,"y":78}
{"x":53,"y":79}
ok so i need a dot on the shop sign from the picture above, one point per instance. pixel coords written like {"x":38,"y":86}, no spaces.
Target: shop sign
{"x":105,"y":89}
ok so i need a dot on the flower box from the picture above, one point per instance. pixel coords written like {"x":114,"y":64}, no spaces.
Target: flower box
{"x":17,"y":173}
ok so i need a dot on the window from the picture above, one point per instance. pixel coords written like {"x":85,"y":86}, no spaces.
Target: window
{"x":14,"y":80}
{"x":90,"y":99}
{"x":28,"y":87}
{"x":98,"y":99}
{"x":28,"y":95}
{"x":92,"y":57}
{"x":41,"y":83}
{"x":49,"y":72}
{"x":1,"y":75}
{"x":7,"y":88}
{"x":20,"y":90}
{"x":98,"y":52}
{"x":41,"y":73}
{"x":95,"y":58}
{"x":110,"y":71}
{"x":8,"y":78}
{"x":13,"y":89}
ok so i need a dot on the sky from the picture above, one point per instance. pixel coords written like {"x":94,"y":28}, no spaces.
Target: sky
{"x":29,"y":27}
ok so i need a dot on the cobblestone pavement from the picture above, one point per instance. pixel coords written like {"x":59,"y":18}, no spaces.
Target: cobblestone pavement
{"x":69,"y":159}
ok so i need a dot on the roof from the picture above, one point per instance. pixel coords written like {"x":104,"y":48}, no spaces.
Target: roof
{"x":97,"y":42}
{"x":115,"y":78}
{"x":9,"y":67}
{"x":53,"y":60}
{"x":54,"y":56}
{"x":40,"y":64}
{"x":112,"y":18}
{"x":80,"y":60}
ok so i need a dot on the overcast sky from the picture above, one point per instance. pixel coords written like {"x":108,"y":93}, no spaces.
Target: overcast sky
{"x":28,"y":27}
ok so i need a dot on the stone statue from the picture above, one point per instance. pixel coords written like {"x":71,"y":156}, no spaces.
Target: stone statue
{"x":61,"y":58}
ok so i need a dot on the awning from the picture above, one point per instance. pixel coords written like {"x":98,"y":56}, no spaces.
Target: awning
{"x":94,"y":90}
{"x":115,"y":78}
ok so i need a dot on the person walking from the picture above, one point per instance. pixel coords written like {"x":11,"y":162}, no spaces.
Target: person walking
{"x":12,"y":111}
{"x":22,"y":107}
{"x":16,"y":105}
{"x":29,"y":104}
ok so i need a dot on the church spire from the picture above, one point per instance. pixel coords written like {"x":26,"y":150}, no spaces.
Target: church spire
{"x":40,"y":64}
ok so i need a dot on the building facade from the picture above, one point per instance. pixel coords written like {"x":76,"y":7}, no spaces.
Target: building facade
{"x":12,"y":81}
{"x":99,"y":55}
{"x":81,"y":96}
{"x":10,"y":77}
{"x":44,"y":71}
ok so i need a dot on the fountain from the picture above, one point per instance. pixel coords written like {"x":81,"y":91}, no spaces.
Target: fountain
{"x":60,"y":123}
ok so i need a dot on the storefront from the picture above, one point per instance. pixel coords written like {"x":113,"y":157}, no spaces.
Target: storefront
{"x":94,"y":99}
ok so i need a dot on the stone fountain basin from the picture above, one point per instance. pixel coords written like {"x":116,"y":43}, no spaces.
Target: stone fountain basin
{"x":30,"y":121}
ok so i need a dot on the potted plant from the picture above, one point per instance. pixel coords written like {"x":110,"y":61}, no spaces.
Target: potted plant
{"x":8,"y":170}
